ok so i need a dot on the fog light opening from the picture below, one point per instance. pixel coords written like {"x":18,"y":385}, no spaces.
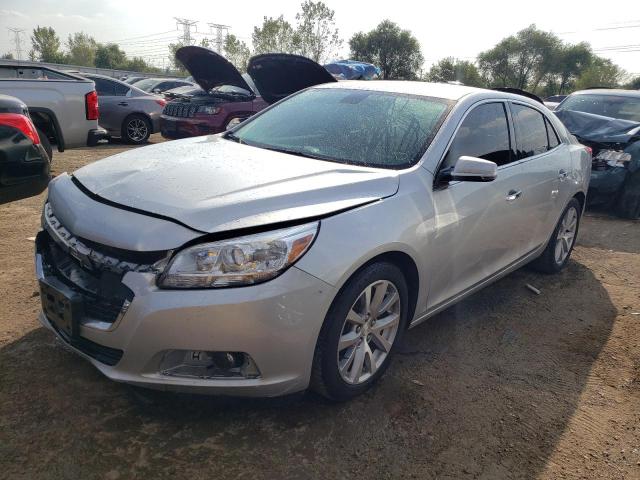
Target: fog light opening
{"x":206,"y":365}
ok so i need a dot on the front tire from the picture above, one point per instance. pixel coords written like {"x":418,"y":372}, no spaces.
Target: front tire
{"x":556,"y":255}
{"x":628,"y":203}
{"x":136,"y":129}
{"x":360,"y":332}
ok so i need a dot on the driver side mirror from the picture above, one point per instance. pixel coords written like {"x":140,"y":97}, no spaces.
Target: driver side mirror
{"x":156,"y":90}
{"x":472,"y":169}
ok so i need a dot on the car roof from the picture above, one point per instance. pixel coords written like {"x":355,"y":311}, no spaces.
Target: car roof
{"x":426,"y":89}
{"x":7,"y":101}
{"x":610,"y":91}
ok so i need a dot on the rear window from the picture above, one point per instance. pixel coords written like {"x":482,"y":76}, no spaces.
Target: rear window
{"x":614,"y":106}
{"x":361,"y":127}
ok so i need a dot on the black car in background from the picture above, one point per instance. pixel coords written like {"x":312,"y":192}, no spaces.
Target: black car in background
{"x":608,"y":121}
{"x":25,"y":156}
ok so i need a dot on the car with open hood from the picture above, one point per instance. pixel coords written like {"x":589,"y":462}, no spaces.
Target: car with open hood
{"x":296,"y":249}
{"x":229,"y":97}
{"x":608,"y":121}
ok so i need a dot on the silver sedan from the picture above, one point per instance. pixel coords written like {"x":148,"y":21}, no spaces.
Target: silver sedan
{"x":297,"y":249}
{"x":126,"y":111}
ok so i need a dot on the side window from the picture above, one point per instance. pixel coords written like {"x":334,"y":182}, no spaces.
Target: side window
{"x":103,"y":87}
{"x":554,"y":141}
{"x":8,"y":72}
{"x":531,"y":131}
{"x":484,"y":133}
{"x":120,"y":89}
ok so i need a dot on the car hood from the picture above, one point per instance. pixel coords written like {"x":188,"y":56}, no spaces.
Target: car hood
{"x":209,"y":69}
{"x":213,"y":185}
{"x":278,"y":75}
{"x":598,"y":128}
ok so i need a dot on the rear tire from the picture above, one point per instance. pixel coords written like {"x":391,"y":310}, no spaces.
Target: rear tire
{"x":136,"y":129}
{"x":561,"y":241}
{"x":46,"y":144}
{"x":628,"y":203}
{"x":351,"y":356}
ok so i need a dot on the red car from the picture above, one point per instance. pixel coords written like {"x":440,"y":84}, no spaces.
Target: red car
{"x":227,"y":97}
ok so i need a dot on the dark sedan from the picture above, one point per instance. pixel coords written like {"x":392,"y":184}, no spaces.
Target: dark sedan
{"x":24,"y":160}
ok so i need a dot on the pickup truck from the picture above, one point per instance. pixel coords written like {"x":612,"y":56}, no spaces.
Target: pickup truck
{"x":63,"y":106}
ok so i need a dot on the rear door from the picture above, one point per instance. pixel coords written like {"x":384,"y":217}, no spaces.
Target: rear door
{"x":546,"y":164}
{"x":480,"y":230}
{"x":113,"y":104}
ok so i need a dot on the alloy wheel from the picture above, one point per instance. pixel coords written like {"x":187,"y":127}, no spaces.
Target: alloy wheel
{"x":137,"y":129}
{"x":566,"y":235}
{"x":368,"y":332}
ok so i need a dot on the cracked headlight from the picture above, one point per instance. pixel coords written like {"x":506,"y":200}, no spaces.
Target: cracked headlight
{"x":613,"y":158}
{"x":238,"y":261}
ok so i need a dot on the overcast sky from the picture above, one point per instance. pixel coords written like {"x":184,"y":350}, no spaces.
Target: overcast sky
{"x":447,"y":28}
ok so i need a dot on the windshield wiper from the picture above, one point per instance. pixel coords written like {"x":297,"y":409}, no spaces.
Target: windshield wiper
{"x":297,"y":153}
{"x":232,"y":137}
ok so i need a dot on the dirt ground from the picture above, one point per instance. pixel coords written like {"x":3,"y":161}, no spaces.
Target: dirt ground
{"x":507,"y":384}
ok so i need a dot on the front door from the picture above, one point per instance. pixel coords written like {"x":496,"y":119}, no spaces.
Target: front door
{"x":479,"y":229}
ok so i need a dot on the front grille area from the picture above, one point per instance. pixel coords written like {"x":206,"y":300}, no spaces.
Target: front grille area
{"x":177,"y":109}
{"x":104,"y":295}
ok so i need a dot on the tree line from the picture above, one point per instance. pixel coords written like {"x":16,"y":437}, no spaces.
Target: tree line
{"x":531,"y":59}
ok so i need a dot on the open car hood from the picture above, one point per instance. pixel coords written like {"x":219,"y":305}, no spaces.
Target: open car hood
{"x":210,"y":184}
{"x":209,"y":69}
{"x":278,"y":75}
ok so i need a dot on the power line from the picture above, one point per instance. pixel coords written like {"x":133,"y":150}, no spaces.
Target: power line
{"x":141,"y":36}
{"x":17,"y":40}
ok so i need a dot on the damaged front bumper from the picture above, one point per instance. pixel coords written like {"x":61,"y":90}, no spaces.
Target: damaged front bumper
{"x":251,"y":341}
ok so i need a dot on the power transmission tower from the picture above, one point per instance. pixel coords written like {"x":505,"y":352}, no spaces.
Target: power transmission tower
{"x":218,"y":30}
{"x":17,"y":41}
{"x":186,"y":25}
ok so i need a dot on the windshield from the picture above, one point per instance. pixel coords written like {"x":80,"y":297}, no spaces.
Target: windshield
{"x":146,"y":84}
{"x":361,"y":127}
{"x":613,"y":106}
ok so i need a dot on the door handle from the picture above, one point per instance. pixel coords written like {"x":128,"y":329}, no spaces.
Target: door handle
{"x":513,"y":195}
{"x":123,"y":104}
{"x":562,"y":174}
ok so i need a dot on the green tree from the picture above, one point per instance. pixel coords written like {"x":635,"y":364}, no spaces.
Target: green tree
{"x":521,"y":60}
{"x":45,"y":45}
{"x":7,"y":56}
{"x":110,"y":55}
{"x":601,"y":72}
{"x":395,"y":51}
{"x":236,"y":51}
{"x":138,"y":64}
{"x":316,"y":35}
{"x":82,"y":49}
{"x":571,"y":60}
{"x":633,"y":84}
{"x":451,"y":69}
{"x":274,"y":35}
